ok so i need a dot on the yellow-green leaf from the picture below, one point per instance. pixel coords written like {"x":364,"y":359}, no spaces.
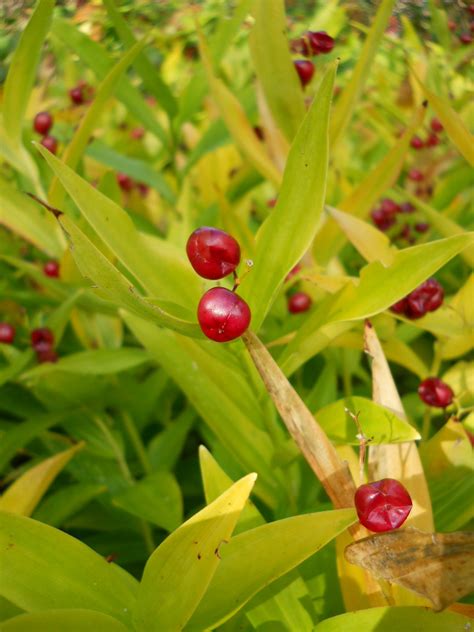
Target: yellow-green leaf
{"x":73,"y":620}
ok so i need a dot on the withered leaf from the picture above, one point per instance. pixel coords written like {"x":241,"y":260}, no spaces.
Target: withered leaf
{"x":439,"y":566}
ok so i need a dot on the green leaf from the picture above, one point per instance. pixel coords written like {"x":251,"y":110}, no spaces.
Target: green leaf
{"x":74,"y":620}
{"x":181,"y":568}
{"x":44,"y":568}
{"x":406,"y":618}
{"x":351,"y":93}
{"x":22,"y":71}
{"x":255,"y":558}
{"x":90,"y":121}
{"x":379,"y":424}
{"x":165,"y":448}
{"x":275,"y":70}
{"x":288,"y":232}
{"x":156,"y":498}
{"x":66,"y":502}
{"x":16,"y":366}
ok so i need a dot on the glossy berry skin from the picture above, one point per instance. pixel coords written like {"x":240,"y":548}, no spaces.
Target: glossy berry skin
{"x":399,"y":307}
{"x":432,"y":140}
{"x":319,"y":42}
{"x":416,"y":143}
{"x":436,"y":125}
{"x":77,"y":95}
{"x":382,"y":219}
{"x":51,"y":269}
{"x":7,"y":334}
{"x":299,"y":302}
{"x":213,"y":253}
{"x":415,"y":175}
{"x":427,"y":297}
{"x":125,"y":182}
{"x":51,"y":143}
{"x":434,"y":392}
{"x":382,"y":505}
{"x":42,"y":339}
{"x":42,"y":123}
{"x":305,"y":70}
{"x":222,"y":315}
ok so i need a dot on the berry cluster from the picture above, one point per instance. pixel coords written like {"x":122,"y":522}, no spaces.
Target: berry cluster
{"x":432,"y":140}
{"x":382,"y":505}
{"x":427,"y":297}
{"x":214,"y":254}
{"x":42,"y":341}
{"x":390,"y":214}
{"x":127,"y":184}
{"x":310,"y":44}
{"x":434,"y":392}
{"x":464,"y":37}
{"x":42,"y":123}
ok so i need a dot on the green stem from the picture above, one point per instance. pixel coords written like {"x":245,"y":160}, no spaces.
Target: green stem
{"x":137,"y":442}
{"x":425,"y":431}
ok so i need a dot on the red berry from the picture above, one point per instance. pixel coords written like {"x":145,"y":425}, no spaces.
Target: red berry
{"x":416,"y":175}
{"x":305,"y":70}
{"x":137,"y":133}
{"x":452,"y":25}
{"x":213,"y":253}
{"x":7,"y":333}
{"x":319,"y":42}
{"x":222,"y":315}
{"x":422,"y":227}
{"x":470,"y":8}
{"x":436,"y":125}
{"x":125,"y":182}
{"x":51,"y":269}
{"x":143,"y":188}
{"x":46,"y":355}
{"x":382,"y":505}
{"x":407,"y":207}
{"x":299,"y":302}
{"x":416,"y":142}
{"x":465,"y":38}
{"x":427,"y":297}
{"x":389,"y":206}
{"x":294,"y":270}
{"x":43,"y":122}
{"x":432,"y":140}
{"x":435,"y":392}
{"x":51,"y":143}
{"x":382,"y":219}
{"x":77,"y":95}
{"x":42,"y":339}
{"x":399,"y":307}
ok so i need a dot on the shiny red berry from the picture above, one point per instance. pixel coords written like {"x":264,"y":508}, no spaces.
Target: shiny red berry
{"x":51,"y":269}
{"x":435,"y":392}
{"x":42,"y":339}
{"x":465,"y":38}
{"x":436,"y":125}
{"x":305,"y":70}
{"x":432,"y":140}
{"x":51,"y":143}
{"x":399,"y":307}
{"x":7,"y":333}
{"x":382,"y":505}
{"x":43,"y":122}
{"x":415,"y":175}
{"x":125,"y":182}
{"x":213,"y":253}
{"x":389,"y":206}
{"x":416,"y":142}
{"x":299,"y":302}
{"x":422,"y":227}
{"x":382,"y":219}
{"x":77,"y":95}
{"x":222,"y":315}
{"x":427,"y":297}
{"x":319,"y":42}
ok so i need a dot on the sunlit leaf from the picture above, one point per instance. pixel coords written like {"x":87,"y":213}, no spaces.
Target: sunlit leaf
{"x":74,"y":620}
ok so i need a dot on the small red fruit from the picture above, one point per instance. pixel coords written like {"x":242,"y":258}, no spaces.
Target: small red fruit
{"x":294,"y":270}
{"x":51,"y":143}
{"x":299,"y":302}
{"x":42,"y":339}
{"x":76,"y":95}
{"x":422,"y":227}
{"x":51,"y":269}
{"x":222,"y":315}
{"x":7,"y":333}
{"x":137,"y":133}
{"x":46,"y":355}
{"x":452,"y":25}
{"x":399,"y":307}
{"x":415,"y":175}
{"x":389,"y":206}
{"x":465,"y":38}
{"x":382,"y":505}
{"x":435,"y":392}
{"x":382,"y":219}
{"x":416,"y":142}
{"x":427,"y":297}
{"x":213,"y":253}
{"x":43,"y":122}
{"x":407,"y":207}
{"x":305,"y":70}
{"x":125,"y":182}
{"x":436,"y":125}
{"x":319,"y":42}
{"x":432,"y":140}
{"x":271,"y":203}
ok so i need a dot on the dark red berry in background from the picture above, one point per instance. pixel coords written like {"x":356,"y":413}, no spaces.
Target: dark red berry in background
{"x":399,"y":307}
{"x":305,"y":70}
{"x":427,"y":297}
{"x":407,"y":207}
{"x":452,"y":25}
{"x":125,"y":182}
{"x":432,"y":140}
{"x":46,"y":355}
{"x":294,"y":270}
{"x":43,"y":122}
{"x":213,"y":253}
{"x":51,"y":269}
{"x":319,"y":42}
{"x":465,"y":38}
{"x":382,"y":505}
{"x":51,"y":143}
{"x":415,"y":175}
{"x":436,"y":125}
{"x":416,"y":142}
{"x":137,"y":133}
{"x":389,"y":206}
{"x":470,"y":8}
{"x":76,"y":95}
{"x":435,"y":392}
{"x":143,"y":188}
{"x":382,"y":219}
{"x":222,"y":315}
{"x":7,"y":333}
{"x":299,"y":302}
{"x":271,"y":203}
{"x":422,"y":227}
{"x":42,"y":339}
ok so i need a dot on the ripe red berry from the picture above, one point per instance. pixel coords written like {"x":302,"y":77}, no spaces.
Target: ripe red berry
{"x":470,"y":8}
{"x":422,"y":227}
{"x":42,"y":339}
{"x":137,"y":133}
{"x":125,"y":182}
{"x":435,"y":392}
{"x":77,"y":95}
{"x":415,"y":175}
{"x":7,"y":333}
{"x":294,"y":270}
{"x":465,"y":38}
{"x":305,"y":70}
{"x":51,"y":269}
{"x":399,"y":307}
{"x":416,"y":142}
{"x":319,"y":42}
{"x":299,"y":302}
{"x":43,"y":122}
{"x":427,"y":297}
{"x":389,"y":206}
{"x":436,"y":125}
{"x":222,"y":315}
{"x":432,"y":140}
{"x":51,"y":143}
{"x":382,"y":219}
{"x":213,"y":253}
{"x":46,"y":355}
{"x":382,"y":505}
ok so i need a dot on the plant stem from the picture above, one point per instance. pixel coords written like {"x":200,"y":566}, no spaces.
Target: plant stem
{"x":137,"y":442}
{"x":425,"y":431}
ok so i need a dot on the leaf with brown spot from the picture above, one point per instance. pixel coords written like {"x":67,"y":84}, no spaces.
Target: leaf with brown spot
{"x":439,"y":566}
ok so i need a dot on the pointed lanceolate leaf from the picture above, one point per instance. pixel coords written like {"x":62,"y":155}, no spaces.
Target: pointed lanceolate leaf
{"x":74,"y":620}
